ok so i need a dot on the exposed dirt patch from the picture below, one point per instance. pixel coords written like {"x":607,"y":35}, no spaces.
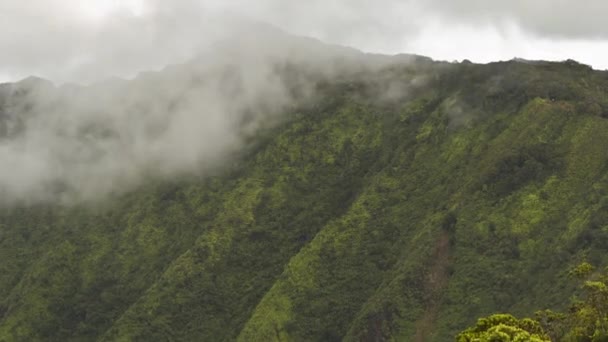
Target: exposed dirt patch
{"x":436,"y":280}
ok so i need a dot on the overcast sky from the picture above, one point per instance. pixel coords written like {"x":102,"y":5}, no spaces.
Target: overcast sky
{"x":88,"y":40}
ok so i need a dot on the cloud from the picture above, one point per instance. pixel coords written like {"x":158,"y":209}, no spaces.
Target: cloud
{"x":64,"y":42}
{"x":561,"y":19}
{"x":72,"y":143}
{"x":86,"y":41}
{"x":78,"y":143}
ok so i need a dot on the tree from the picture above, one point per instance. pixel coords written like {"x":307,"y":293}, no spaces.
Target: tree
{"x":504,"y":328}
{"x":585,"y":321}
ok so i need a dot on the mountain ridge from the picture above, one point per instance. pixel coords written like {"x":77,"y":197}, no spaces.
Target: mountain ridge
{"x":398,"y":202}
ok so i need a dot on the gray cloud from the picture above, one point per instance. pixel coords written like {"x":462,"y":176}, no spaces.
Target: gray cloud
{"x":61,"y":40}
{"x":546,"y":18}
{"x":87,"y":142}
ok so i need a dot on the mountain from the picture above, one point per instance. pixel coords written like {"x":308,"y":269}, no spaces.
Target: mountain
{"x":337,"y":196}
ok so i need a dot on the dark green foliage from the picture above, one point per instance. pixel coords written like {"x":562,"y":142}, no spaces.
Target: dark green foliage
{"x":360,"y":216}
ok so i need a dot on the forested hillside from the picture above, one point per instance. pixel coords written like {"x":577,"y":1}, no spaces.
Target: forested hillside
{"x":394,"y":202}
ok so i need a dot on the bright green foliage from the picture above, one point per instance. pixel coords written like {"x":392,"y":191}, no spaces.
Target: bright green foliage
{"x":585,"y":321}
{"x":587,"y":318}
{"x":504,"y":328}
{"x":360,"y":217}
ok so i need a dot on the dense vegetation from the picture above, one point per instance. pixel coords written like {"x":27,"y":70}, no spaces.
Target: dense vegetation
{"x":377,"y":211}
{"x":586,"y":319}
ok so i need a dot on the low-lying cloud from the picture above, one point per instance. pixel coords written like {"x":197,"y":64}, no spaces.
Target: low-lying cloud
{"x":72,"y":143}
{"x":61,"y":141}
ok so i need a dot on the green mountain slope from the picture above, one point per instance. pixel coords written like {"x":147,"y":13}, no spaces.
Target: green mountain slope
{"x":359,"y":217}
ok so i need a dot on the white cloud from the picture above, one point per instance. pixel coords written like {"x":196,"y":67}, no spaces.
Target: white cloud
{"x":544,"y":18}
{"x":84,"y":41}
{"x":487,"y":43}
{"x":95,"y":141}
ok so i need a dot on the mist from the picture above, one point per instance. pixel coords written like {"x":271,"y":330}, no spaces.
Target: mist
{"x":157,"y":90}
{"x":73,"y":143}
